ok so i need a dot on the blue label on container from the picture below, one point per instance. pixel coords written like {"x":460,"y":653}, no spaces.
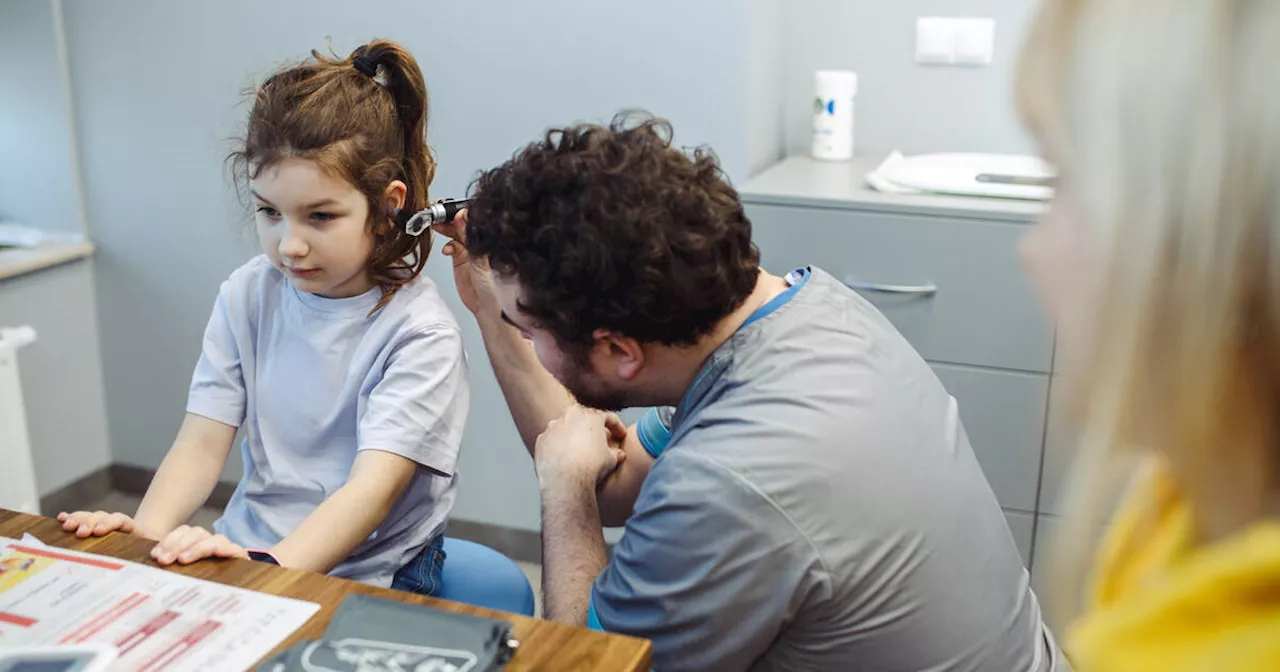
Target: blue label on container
{"x":821,"y":105}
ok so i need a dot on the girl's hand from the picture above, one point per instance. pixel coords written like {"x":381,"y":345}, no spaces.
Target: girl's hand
{"x":96,"y":523}
{"x":186,"y":545}
{"x":471,"y":276}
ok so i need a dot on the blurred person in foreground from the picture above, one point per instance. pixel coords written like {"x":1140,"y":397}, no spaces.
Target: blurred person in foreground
{"x":1160,"y":262}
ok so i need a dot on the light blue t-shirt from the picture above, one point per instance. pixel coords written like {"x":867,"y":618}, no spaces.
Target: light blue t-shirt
{"x":311,"y":381}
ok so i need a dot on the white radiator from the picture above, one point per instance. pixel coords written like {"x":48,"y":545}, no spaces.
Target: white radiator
{"x":17,"y":475}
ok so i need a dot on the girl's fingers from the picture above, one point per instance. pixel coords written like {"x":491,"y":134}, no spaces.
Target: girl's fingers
{"x":114,"y":522}
{"x":216,"y":546}
{"x":90,"y":522}
{"x":126,"y":524}
{"x":198,"y":551}
{"x":178,"y":542}
{"x":227,"y":549}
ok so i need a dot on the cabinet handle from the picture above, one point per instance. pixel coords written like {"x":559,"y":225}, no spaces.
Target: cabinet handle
{"x":921,"y":290}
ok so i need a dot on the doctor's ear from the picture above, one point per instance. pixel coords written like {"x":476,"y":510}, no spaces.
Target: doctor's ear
{"x":623,"y":355}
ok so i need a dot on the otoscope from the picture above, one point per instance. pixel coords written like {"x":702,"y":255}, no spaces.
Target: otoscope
{"x":436,"y":213}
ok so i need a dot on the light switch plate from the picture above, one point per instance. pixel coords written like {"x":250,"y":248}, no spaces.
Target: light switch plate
{"x":935,"y":41}
{"x":975,"y":41}
{"x":953,"y":41}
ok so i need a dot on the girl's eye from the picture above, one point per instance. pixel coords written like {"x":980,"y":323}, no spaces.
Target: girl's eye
{"x":324,"y":216}
{"x":269,"y":213}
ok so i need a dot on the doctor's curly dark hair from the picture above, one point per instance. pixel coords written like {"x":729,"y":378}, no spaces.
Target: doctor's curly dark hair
{"x":613,"y":228}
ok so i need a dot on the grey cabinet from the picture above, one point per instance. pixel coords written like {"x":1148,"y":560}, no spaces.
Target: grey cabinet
{"x":1059,"y":451}
{"x":952,"y":287}
{"x":1023,"y":527}
{"x":1047,"y":528}
{"x":1046,"y":558}
{"x":1003,"y":413}
{"x":945,"y":271}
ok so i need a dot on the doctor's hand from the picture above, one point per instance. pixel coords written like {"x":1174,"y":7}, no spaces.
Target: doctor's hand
{"x":470,"y":276}
{"x":580,"y":449}
{"x":186,"y":545}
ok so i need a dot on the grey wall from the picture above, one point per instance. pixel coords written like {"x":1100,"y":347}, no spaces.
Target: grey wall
{"x":61,"y":372}
{"x":37,"y":168}
{"x":766,"y":101}
{"x":901,"y":105}
{"x":62,"y":379}
{"x":156,"y":87}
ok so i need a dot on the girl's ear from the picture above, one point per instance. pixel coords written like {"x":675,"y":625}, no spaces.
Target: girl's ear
{"x":394,"y":195}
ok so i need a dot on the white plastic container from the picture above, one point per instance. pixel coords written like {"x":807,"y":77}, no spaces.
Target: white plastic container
{"x":834,"y":92}
{"x":17,"y":475}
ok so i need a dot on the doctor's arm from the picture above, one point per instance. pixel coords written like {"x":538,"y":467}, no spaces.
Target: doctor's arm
{"x":534,"y":397}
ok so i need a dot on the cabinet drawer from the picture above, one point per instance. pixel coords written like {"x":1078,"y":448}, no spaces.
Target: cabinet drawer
{"x":1003,"y":414}
{"x":1059,"y":452}
{"x":1023,"y":527}
{"x":1061,"y":447}
{"x":983,"y":312}
{"x":1047,"y":530}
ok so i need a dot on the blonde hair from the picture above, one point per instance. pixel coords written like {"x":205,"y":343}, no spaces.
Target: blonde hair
{"x":1164,"y":117}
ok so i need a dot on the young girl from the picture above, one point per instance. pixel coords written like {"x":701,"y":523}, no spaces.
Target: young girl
{"x":338,"y":359}
{"x":1160,"y":261}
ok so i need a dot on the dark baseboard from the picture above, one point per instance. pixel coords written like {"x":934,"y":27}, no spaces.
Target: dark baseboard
{"x":78,"y":494}
{"x":133,"y":480}
{"x":123,"y":478}
{"x":515,"y":543}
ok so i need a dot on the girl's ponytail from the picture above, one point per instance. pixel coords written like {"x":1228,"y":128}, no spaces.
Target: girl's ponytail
{"x":397,"y":256}
{"x":399,"y":74}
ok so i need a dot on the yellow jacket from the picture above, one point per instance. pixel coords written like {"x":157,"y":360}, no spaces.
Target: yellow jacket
{"x":1160,"y":603}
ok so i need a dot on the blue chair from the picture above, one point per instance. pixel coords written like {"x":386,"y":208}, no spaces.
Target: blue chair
{"x":478,"y":575}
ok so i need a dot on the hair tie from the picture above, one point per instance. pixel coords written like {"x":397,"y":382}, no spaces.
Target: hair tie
{"x":366,"y":66}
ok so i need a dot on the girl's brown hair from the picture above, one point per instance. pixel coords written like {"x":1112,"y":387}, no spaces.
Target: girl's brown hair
{"x":364,"y":119}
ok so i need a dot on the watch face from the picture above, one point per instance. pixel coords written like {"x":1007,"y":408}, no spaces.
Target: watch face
{"x":259,"y":556}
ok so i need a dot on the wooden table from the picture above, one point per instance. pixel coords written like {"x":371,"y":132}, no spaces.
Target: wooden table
{"x":543,"y":645}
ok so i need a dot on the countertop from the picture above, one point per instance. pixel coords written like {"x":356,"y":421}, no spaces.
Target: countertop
{"x":803,"y":181}
{"x":16,"y":261}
